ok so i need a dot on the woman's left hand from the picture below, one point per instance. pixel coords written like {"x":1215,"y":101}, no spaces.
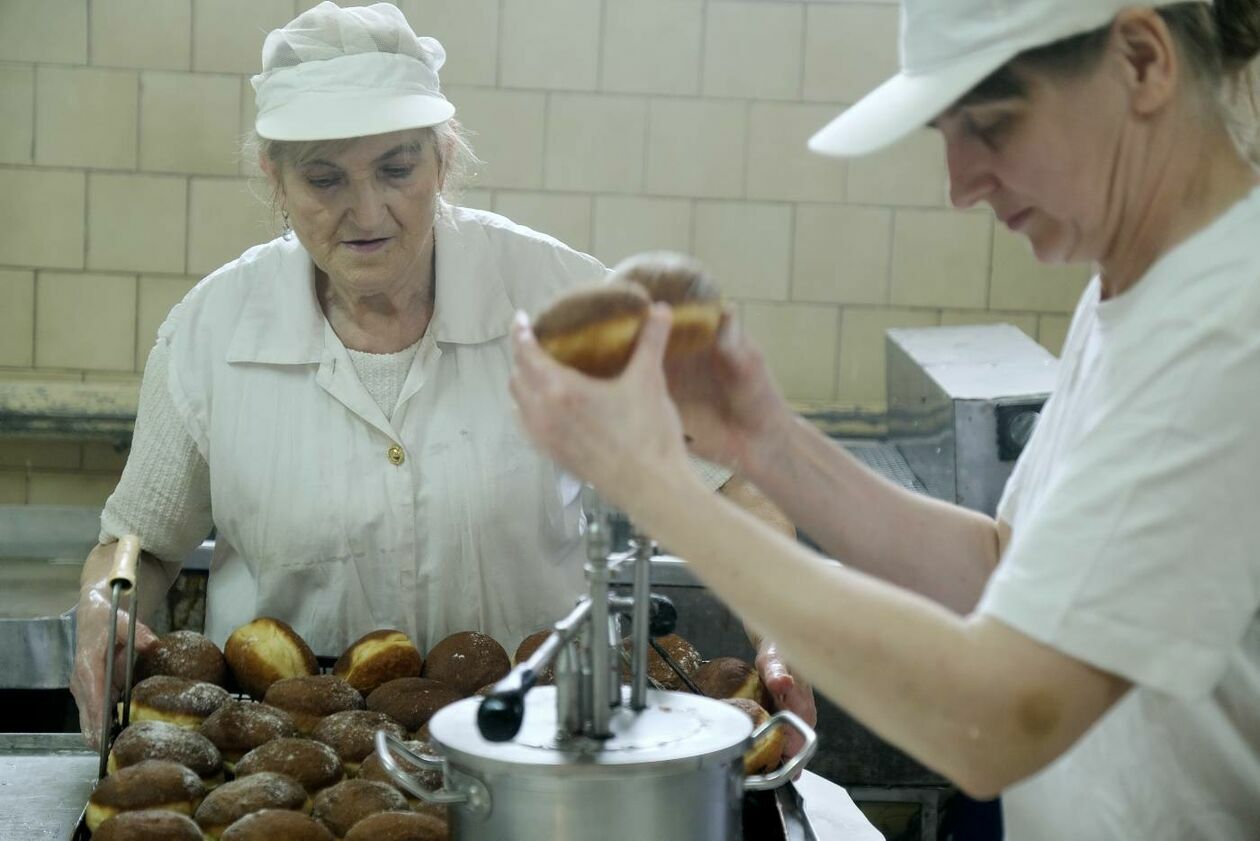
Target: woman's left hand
{"x":616,"y":434}
{"x":789,"y":692}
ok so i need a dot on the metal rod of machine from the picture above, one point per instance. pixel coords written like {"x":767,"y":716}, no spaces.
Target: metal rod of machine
{"x":642,"y":607}
{"x":111,"y":645}
{"x":597,"y":547}
{"x":131,"y":653}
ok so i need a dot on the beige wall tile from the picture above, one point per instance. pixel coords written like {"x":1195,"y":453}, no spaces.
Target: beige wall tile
{"x":12,"y":488}
{"x":862,"y":351}
{"x":85,"y":321}
{"x":17,"y":113}
{"x":508,"y":134}
{"x":130,"y":378}
{"x":27,"y":453}
{"x":841,"y":254}
{"x":26,"y":375}
{"x":228,"y":34}
{"x":157,"y":295}
{"x":653,"y":46}
{"x":1021,"y":283}
{"x":626,"y":225}
{"x":136,"y":222}
{"x":44,"y":30}
{"x":1052,"y":332}
{"x":800,"y":344}
{"x":225,"y":218}
{"x":17,"y":317}
{"x":696,"y":148}
{"x":940,"y":259}
{"x":85,"y":116}
{"x":103,"y":457}
{"x":595,"y":143}
{"x":149,"y":34}
{"x":480,"y":199}
{"x":565,"y":217}
{"x":469,"y":32}
{"x":1026,"y":321}
{"x":89,"y":489}
{"x":849,"y":49}
{"x":248,"y":163}
{"x":189,"y":123}
{"x":550,"y":44}
{"x":779,"y":164}
{"x":747,"y":247}
{"x":41,"y":218}
{"x":752,"y":50}
{"x":911,"y":173}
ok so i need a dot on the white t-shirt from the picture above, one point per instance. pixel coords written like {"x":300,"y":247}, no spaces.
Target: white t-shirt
{"x":1135,"y":517}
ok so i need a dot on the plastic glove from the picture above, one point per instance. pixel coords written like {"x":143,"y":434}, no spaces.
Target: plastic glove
{"x":789,"y":691}
{"x":87,"y":684}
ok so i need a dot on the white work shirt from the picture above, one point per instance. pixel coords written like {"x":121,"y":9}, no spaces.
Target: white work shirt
{"x":319,"y":520}
{"x":1136,"y":548}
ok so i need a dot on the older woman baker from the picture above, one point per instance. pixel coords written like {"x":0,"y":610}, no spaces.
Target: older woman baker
{"x":1093,"y":653}
{"x":335,"y":402}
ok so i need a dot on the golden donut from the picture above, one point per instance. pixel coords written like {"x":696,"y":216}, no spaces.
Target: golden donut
{"x":314,"y":765}
{"x":262,"y":652}
{"x":594,"y":328}
{"x":680,"y":651}
{"x":345,"y":804}
{"x":163,"y":740}
{"x":399,"y":826}
{"x":177,"y":700}
{"x":681,"y":282}
{"x":378,"y":657}
{"x":373,"y":769}
{"x":185,"y":654}
{"x":527,"y":648}
{"x":731,"y":677}
{"x":767,"y":751}
{"x":352,"y":735}
{"x":148,"y":825}
{"x":151,"y":784}
{"x":232,"y":801}
{"x":467,"y":661}
{"x":276,"y":825}
{"x":309,"y":698}
{"x":238,"y":727}
{"x":412,"y":701}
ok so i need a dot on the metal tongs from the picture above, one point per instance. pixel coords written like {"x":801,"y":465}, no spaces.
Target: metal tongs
{"x":122,"y":581}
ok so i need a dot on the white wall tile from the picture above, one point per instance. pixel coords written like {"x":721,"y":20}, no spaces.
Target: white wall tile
{"x":595,"y":143}
{"x":225,"y":217}
{"x":469,"y":32}
{"x":800,"y":343}
{"x":779,"y":164}
{"x":841,"y":254}
{"x":479,"y":199}
{"x":17,"y":113}
{"x":696,"y":148}
{"x":27,"y":453}
{"x":565,"y":217}
{"x":44,"y":31}
{"x":136,"y":222}
{"x":41,"y":218}
{"x":653,"y":46}
{"x":149,"y":34}
{"x":1022,"y":283}
{"x":1026,"y":321}
{"x":157,"y":295}
{"x":12,"y":488}
{"x":508,"y":131}
{"x":85,"y":321}
{"x":550,"y":44}
{"x":911,"y":173}
{"x":85,"y":489}
{"x":85,"y":116}
{"x":102,"y":457}
{"x":190,"y":123}
{"x":862,"y":355}
{"x":1052,"y":330}
{"x":752,"y":50}
{"x":626,"y":225}
{"x":940,"y":259}
{"x":17,"y":317}
{"x":228,"y":34}
{"x":850,"y":49}
{"x":747,"y":247}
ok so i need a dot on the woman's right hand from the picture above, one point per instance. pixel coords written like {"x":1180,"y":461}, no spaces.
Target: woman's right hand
{"x":732,"y":410}
{"x":87,"y":683}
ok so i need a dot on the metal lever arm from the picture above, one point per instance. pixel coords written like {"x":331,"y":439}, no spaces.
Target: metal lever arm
{"x":500,"y":715}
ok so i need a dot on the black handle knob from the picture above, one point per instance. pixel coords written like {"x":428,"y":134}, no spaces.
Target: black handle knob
{"x":662,"y":616}
{"x":500,"y":715}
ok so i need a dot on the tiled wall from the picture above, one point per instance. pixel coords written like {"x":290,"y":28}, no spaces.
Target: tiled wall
{"x":616,"y":125}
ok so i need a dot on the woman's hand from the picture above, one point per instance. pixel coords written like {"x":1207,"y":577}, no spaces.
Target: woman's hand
{"x":789,"y":692}
{"x":87,"y":684}
{"x":617,"y":434}
{"x":731,"y":408}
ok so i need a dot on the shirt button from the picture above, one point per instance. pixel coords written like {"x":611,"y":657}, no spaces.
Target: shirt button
{"x":396,"y":455}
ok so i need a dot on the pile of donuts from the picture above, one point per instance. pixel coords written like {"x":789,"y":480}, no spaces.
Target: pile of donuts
{"x":253,"y":743}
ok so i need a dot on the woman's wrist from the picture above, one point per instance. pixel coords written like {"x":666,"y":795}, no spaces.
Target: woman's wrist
{"x":768,"y":451}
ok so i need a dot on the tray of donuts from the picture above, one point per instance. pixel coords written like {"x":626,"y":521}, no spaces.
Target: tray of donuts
{"x":264,"y":741}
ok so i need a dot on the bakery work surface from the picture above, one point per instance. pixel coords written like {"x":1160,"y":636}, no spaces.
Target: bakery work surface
{"x":45,"y":780}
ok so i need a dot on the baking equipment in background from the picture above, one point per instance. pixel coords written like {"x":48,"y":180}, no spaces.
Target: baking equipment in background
{"x":542,"y":763}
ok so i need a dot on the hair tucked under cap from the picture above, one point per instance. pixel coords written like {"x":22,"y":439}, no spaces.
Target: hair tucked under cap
{"x":334,"y":73}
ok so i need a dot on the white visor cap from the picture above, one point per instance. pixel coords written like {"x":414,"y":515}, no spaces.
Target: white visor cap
{"x":947,"y":48}
{"x":334,"y":73}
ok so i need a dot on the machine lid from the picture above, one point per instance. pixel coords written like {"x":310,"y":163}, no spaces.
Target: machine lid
{"x":674,"y":728}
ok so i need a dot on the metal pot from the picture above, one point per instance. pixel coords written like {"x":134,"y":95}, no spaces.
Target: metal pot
{"x":672,"y":771}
